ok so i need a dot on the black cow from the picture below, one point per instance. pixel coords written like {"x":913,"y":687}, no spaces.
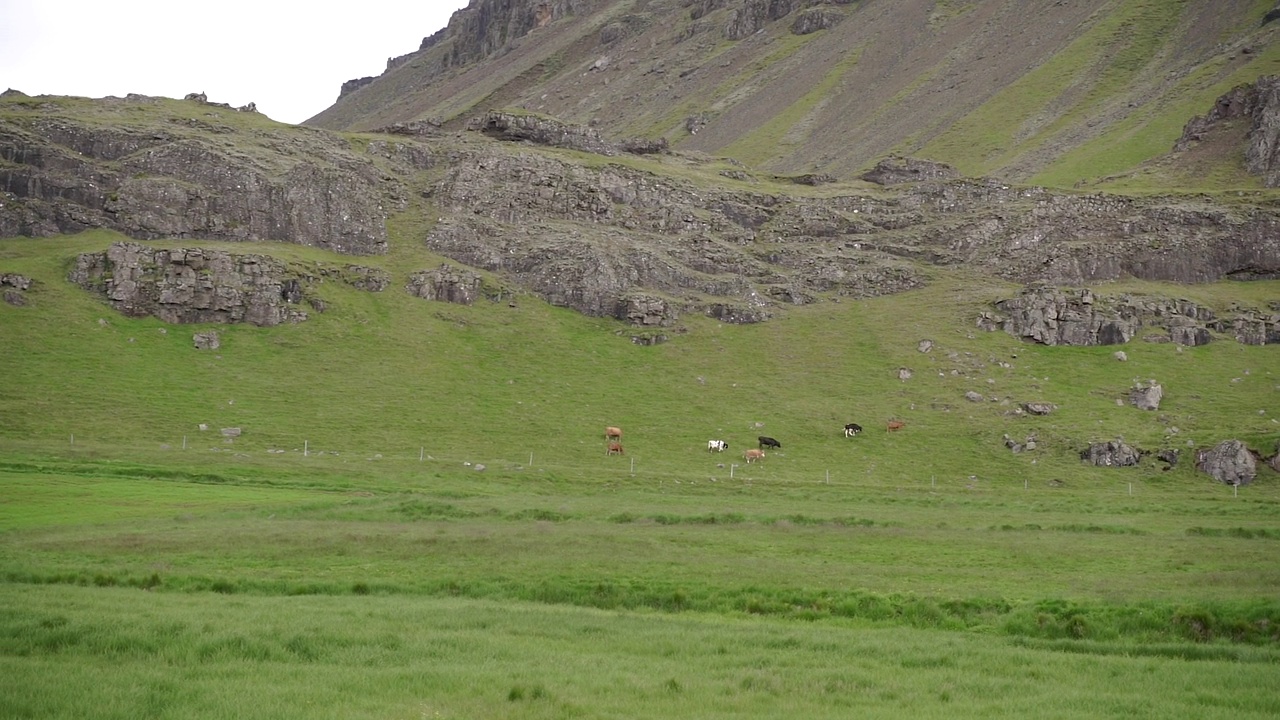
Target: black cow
{"x":769,"y":442}
{"x":852,"y":429}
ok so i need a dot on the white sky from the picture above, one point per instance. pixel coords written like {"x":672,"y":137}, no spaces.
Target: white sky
{"x":290,"y":58}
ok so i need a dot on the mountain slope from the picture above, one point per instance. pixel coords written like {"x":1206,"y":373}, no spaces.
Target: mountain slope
{"x":1046,"y":91}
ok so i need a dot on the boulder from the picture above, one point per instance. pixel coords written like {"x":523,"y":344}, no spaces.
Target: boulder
{"x":1114,"y":453}
{"x":14,"y":280}
{"x":1017,"y":447}
{"x":1039,"y":408}
{"x":1146,"y":396}
{"x":1229,"y":462}
{"x":972,"y":396}
{"x":207,"y":340}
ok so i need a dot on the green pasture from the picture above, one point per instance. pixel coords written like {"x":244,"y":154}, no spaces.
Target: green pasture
{"x":418,"y":518}
{"x":113,"y":653}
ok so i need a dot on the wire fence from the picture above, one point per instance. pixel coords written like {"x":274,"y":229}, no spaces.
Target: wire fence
{"x":230,"y":450}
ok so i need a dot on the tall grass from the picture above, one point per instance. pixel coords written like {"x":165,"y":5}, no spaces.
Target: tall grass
{"x":125,"y":653}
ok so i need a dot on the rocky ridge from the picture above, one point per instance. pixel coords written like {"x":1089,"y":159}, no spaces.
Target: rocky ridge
{"x":680,"y":231}
{"x":190,"y":169}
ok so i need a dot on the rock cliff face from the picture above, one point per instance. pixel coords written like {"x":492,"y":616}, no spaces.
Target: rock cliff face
{"x":195,"y":285}
{"x":683,"y":232}
{"x":192,"y":170}
{"x":1258,"y":104}
{"x":482,"y":29}
{"x":1053,"y":316}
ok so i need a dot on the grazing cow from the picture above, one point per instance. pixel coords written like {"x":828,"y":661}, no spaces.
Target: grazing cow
{"x":613,"y":433}
{"x":768,"y":442}
{"x":753,"y":455}
{"x":717,"y":445}
{"x":615,"y":448}
{"x":852,"y":429}
{"x":894,"y":425}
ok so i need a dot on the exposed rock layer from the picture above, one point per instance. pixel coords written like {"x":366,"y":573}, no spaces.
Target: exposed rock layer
{"x":195,"y":285}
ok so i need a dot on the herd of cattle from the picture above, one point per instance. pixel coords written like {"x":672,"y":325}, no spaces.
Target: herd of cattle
{"x":613,"y":440}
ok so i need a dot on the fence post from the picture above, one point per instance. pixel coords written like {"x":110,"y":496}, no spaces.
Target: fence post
{"x":305,"y":449}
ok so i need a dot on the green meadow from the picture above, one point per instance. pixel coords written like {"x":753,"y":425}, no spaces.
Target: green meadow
{"x":418,"y":518}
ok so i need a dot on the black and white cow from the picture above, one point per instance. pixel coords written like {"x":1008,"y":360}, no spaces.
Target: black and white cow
{"x":852,"y":429}
{"x":717,"y":446}
{"x":769,"y":442}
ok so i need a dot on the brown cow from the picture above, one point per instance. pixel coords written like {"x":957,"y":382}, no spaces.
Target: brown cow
{"x":752,"y":455}
{"x":894,"y":425}
{"x":615,"y":448}
{"x":612,"y":433}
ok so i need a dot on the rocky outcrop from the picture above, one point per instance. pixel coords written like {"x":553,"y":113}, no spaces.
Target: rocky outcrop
{"x":1053,"y":316}
{"x":446,"y":283}
{"x":194,"y":285}
{"x":544,"y":131}
{"x":14,"y":287}
{"x":897,"y":170}
{"x":813,"y":20}
{"x":1039,"y":408}
{"x":645,"y":310}
{"x":1229,"y":462}
{"x":1259,"y":104}
{"x":1056,"y":317}
{"x":1114,"y":453}
{"x":351,"y":86}
{"x":751,"y":16}
{"x":586,"y":237}
{"x":479,"y":30}
{"x":195,"y":172}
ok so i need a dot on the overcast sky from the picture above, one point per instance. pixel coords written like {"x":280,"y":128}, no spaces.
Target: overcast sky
{"x":290,"y":58}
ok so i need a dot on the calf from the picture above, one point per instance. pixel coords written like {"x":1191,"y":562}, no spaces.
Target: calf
{"x":768,"y":442}
{"x":894,"y":425}
{"x":852,"y":429}
{"x":612,"y":433}
{"x":717,"y":446}
{"x":753,"y":455}
{"x":615,"y":448}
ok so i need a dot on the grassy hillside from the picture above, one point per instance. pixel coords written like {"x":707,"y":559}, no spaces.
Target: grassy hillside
{"x":388,"y":373}
{"x":352,"y":529}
